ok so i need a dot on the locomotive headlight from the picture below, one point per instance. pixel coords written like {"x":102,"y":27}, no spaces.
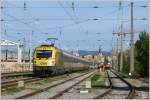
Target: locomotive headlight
{"x":53,"y":62}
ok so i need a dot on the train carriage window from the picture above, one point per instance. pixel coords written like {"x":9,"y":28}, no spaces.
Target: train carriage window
{"x":43,"y":53}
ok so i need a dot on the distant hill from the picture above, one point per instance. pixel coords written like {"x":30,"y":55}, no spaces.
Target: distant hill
{"x":83,"y":52}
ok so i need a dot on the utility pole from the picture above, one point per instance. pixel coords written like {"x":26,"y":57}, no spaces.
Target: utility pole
{"x":121,"y":51}
{"x":0,"y":30}
{"x":6,"y":56}
{"x":30,"y":51}
{"x":24,"y":51}
{"x":132,"y":42}
{"x":118,"y":34}
{"x":113,"y":58}
{"x":121,"y":34}
{"x":121,"y":59}
{"x":117,"y":55}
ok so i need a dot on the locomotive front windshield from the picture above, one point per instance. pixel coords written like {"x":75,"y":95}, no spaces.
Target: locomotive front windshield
{"x":44,"y":54}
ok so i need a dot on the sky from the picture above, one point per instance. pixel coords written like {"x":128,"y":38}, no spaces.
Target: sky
{"x":73,"y":23}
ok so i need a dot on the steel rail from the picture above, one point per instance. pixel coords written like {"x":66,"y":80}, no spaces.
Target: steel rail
{"x":108,"y":90}
{"x":132,"y":90}
{"x":130,"y":95}
{"x":4,"y":75}
{"x":138,"y":78}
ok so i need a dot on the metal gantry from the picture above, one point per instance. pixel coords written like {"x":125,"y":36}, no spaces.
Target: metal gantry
{"x":12,"y":43}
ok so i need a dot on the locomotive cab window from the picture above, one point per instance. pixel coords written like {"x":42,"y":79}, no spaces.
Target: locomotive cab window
{"x":44,"y":54}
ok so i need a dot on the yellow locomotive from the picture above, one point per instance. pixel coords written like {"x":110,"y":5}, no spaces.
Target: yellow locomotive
{"x":51,"y":60}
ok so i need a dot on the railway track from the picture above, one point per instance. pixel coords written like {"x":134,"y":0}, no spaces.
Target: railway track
{"x":136,"y":77}
{"x":58,"y":95}
{"x":58,"y":89}
{"x":71,"y":88}
{"x":16,"y":74}
{"x":15,"y":82}
{"x":78,"y":91}
{"x":107,"y":91}
{"x":118,"y":89}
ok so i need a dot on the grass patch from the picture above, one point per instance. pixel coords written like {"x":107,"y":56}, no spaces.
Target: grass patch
{"x":97,"y":80}
{"x":47,"y":80}
{"x":10,"y":90}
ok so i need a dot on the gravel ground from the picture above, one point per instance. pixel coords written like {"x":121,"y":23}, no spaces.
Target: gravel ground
{"x":141,"y":95}
{"x":33,"y":87}
{"x":53,"y":91}
{"x":81,"y":92}
{"x":15,"y":95}
{"x":76,"y":92}
{"x":141,"y":87}
{"x":118,"y":91}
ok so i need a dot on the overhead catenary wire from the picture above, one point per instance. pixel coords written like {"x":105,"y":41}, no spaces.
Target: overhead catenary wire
{"x":83,"y":21}
{"x":77,"y":7}
{"x":67,"y":25}
{"x":25,"y":23}
{"x":70,"y":7}
{"x":50,"y":7}
{"x":22,"y":21}
{"x":70,"y":25}
{"x":64,"y":19}
{"x":71,"y":17}
{"x":76,"y":20}
{"x":79,"y":22}
{"x":76,"y":23}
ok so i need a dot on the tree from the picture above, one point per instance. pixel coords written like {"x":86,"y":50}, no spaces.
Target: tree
{"x":142,"y":54}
